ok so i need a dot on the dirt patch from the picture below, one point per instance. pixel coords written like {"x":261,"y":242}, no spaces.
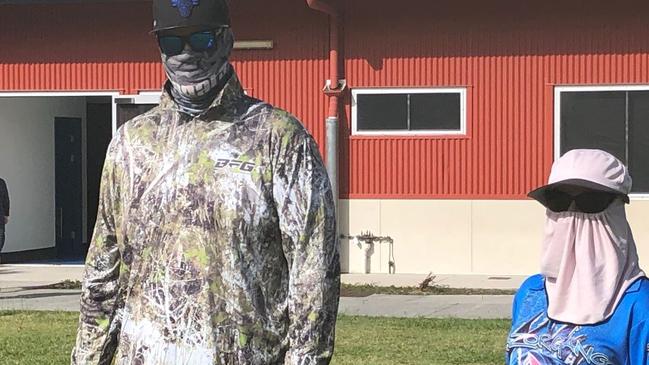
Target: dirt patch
{"x":355,"y":290}
{"x":66,"y":284}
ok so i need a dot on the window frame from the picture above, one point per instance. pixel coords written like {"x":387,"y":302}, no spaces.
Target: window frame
{"x":397,"y":90}
{"x":559,"y":90}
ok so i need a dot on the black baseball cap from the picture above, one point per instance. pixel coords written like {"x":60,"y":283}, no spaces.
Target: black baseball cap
{"x":172,"y":14}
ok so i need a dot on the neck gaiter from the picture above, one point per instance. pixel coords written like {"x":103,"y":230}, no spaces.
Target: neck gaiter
{"x":197,"y":77}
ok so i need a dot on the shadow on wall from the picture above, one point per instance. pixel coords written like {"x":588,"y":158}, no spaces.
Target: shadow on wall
{"x":64,"y":33}
{"x":469,"y":28}
{"x":69,"y":32}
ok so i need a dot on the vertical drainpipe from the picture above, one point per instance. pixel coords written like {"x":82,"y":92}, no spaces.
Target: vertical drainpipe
{"x":333,"y":88}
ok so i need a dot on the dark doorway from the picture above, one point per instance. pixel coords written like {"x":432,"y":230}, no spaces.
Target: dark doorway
{"x":98,"y":136}
{"x":68,"y":189}
{"x":126,"y":112}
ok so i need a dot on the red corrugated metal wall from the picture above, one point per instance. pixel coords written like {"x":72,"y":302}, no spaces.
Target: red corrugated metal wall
{"x":106,"y":46}
{"x":98,"y":46}
{"x":508,"y":54}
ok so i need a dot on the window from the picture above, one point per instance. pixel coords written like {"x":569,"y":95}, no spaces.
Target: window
{"x":408,"y":111}
{"x":614,"y":119}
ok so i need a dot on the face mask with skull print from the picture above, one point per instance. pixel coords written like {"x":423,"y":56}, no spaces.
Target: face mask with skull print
{"x":196,"y":76}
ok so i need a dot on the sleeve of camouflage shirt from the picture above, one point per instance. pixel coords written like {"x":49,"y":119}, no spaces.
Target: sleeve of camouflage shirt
{"x":98,"y":327}
{"x":305,"y":206}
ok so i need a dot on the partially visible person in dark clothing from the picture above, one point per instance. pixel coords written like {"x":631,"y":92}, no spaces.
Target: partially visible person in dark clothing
{"x":4,"y":211}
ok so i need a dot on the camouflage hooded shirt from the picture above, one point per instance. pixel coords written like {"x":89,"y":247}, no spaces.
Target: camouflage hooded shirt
{"x":215,"y":242}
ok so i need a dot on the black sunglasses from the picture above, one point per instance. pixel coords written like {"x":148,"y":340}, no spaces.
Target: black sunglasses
{"x":587,"y":202}
{"x":173,"y":45}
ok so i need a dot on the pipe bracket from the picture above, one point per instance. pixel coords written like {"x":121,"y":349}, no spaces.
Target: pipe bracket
{"x":335,"y":91}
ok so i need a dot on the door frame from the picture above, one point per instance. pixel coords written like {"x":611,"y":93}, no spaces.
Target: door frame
{"x":112,"y":94}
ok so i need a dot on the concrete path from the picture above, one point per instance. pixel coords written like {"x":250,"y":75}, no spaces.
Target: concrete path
{"x":377,"y":305}
{"x":19,"y":287}
{"x":48,"y":274}
{"x":36,"y":275}
{"x":39,"y":299}
{"x":429,"y":306}
{"x":19,"y":290}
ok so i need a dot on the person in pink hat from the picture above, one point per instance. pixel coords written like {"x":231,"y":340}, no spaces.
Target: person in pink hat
{"x":590,"y":303}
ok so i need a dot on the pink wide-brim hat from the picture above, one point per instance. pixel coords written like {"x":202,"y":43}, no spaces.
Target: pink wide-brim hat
{"x":589,"y":168}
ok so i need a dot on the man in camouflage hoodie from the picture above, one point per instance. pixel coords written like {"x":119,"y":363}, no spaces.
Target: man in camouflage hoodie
{"x":215,"y":240}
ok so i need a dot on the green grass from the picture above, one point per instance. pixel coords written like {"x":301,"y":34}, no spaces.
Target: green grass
{"x":392,"y":341}
{"x":36,"y":337}
{"x":47,"y":337}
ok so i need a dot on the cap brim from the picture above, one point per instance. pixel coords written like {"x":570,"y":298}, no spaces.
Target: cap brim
{"x":539,"y":193}
{"x":206,"y":26}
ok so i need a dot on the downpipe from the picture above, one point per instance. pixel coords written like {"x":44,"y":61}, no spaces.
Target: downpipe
{"x":333,"y":88}
{"x":332,"y":154}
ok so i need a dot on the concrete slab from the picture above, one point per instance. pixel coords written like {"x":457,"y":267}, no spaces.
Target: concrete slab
{"x":18,"y":291}
{"x":49,"y":274}
{"x":429,"y":306}
{"x":39,"y":299}
{"x":412,"y":306}
{"x":19,"y":287}
{"x":34,"y":275}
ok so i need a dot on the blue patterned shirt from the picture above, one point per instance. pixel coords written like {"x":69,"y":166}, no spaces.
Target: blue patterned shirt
{"x":535,"y":339}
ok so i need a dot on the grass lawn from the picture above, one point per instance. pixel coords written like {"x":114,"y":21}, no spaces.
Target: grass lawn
{"x":46,"y":338}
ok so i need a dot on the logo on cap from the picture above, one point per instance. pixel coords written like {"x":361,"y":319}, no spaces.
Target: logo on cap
{"x":184,"y":6}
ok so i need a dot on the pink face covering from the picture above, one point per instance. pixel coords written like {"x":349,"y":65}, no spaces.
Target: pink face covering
{"x":588,"y":260}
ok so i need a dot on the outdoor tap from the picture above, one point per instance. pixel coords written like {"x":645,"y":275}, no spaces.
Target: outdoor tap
{"x":367,"y":240}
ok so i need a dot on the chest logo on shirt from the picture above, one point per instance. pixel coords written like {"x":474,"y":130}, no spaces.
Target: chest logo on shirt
{"x":237,"y":165}
{"x":542,"y":342}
